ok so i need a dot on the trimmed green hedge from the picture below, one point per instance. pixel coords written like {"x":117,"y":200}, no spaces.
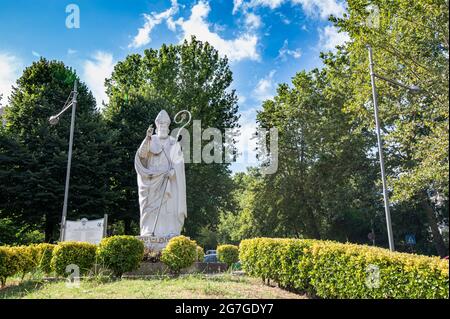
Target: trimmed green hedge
{"x":180,"y":252}
{"x":45,"y":252}
{"x":200,"y":254}
{"x":77,"y":253}
{"x":9,"y":265}
{"x":27,"y":257}
{"x":228,"y":254}
{"x":336,"y":270}
{"x":20,"y":260}
{"x":120,"y":253}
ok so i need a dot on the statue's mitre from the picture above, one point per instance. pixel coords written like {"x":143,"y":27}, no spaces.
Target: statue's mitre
{"x":163,"y":117}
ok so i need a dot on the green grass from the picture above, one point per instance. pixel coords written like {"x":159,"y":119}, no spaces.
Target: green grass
{"x":192,"y":286}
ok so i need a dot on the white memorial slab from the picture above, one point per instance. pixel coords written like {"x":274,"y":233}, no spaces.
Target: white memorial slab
{"x":91,"y":231}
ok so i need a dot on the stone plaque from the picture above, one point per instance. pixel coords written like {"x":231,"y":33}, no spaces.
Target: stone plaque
{"x":91,"y":231}
{"x":155,"y":242}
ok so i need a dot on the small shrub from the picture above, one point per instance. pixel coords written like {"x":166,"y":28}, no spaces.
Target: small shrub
{"x":120,"y":254}
{"x":8,"y":263}
{"x":180,"y":252}
{"x":228,"y":254}
{"x":76,"y":253}
{"x":45,"y":251}
{"x":200,"y":253}
{"x":26,"y":258}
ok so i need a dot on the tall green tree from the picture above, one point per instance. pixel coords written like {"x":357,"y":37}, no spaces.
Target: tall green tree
{"x":327,"y":183}
{"x":34,"y":153}
{"x":239,"y":224}
{"x":189,"y":76}
{"x":410,"y":44}
{"x":323,"y":186}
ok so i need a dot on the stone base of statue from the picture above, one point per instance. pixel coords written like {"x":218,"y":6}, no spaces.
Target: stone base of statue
{"x":155,"y":242}
{"x":150,"y":270}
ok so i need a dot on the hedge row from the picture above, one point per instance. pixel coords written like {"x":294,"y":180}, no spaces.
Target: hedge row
{"x":21,"y":260}
{"x":118,"y":254}
{"x":228,"y":254}
{"x":335,"y":270}
{"x":78,"y":254}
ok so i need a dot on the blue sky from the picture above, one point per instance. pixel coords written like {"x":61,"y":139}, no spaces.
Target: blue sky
{"x":267,"y":41}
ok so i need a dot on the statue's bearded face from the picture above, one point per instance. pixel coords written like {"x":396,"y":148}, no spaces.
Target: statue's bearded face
{"x":163,"y":130}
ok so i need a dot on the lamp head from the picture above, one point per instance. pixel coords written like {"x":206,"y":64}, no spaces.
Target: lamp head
{"x":53,"y":120}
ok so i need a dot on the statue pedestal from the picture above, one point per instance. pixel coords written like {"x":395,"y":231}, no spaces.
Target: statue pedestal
{"x":155,"y":242}
{"x":151,"y":270}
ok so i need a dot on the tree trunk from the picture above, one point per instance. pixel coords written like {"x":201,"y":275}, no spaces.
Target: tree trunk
{"x":49,"y":227}
{"x":314,"y":229}
{"x":437,"y":237}
{"x":127,"y":226}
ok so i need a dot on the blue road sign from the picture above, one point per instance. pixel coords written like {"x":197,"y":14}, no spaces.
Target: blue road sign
{"x":410,"y":239}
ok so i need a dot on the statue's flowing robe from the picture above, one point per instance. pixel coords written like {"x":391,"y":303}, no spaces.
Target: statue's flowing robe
{"x":153,"y":159}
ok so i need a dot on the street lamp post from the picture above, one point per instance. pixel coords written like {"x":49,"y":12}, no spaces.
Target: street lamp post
{"x":380,"y":152}
{"x":380,"y":142}
{"x":54,"y":120}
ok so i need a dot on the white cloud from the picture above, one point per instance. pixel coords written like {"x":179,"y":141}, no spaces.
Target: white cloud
{"x":241,"y":99}
{"x":171,"y":24}
{"x":36,"y":54}
{"x":151,"y":20}
{"x":218,"y":28}
{"x":10,"y":68}
{"x":71,"y":51}
{"x":242,"y":47}
{"x":283,"y":18}
{"x":236,"y":5}
{"x":285,"y":51}
{"x":272,"y":4}
{"x":330,"y":37}
{"x":265,"y":88}
{"x":320,"y":8}
{"x":252,"y":21}
{"x":95,"y":72}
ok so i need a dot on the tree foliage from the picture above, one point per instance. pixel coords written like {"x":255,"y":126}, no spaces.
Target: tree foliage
{"x":328,"y":181}
{"x":322,"y":184}
{"x":34,"y":153}
{"x":410,"y":43}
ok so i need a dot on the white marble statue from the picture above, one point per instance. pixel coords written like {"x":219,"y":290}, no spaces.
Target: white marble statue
{"x":159,"y":165}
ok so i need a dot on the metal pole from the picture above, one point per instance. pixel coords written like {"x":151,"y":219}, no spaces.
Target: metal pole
{"x":105,"y":225}
{"x":69,"y":162}
{"x":380,"y":152}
